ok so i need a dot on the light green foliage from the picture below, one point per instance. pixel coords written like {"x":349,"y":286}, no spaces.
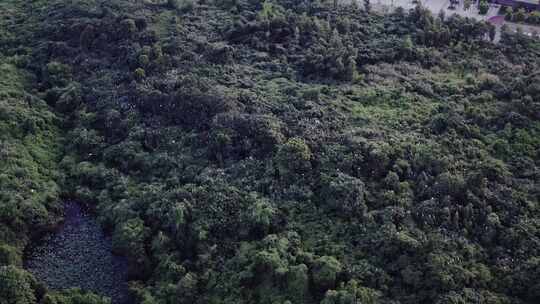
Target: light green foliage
{"x":30,"y":138}
{"x":270,"y":11}
{"x":74,"y":296}
{"x":260,"y":215}
{"x":9,"y":255}
{"x":139,"y":73}
{"x":16,"y":286}
{"x":129,"y":237}
{"x":351,"y":293}
{"x":325,"y":272}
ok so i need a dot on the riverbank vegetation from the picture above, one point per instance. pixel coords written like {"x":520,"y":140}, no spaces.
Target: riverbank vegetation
{"x":282,"y":151}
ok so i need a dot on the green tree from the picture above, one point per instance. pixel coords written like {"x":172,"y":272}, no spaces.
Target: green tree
{"x":325,"y":272}
{"x":508,"y":13}
{"x":534,"y":17}
{"x":467,"y":4}
{"x":351,"y":293}
{"x":343,"y":193}
{"x":298,"y":283}
{"x":260,"y":216}
{"x":129,"y":239}
{"x":483,"y":7}
{"x":520,"y":15}
{"x":74,"y":296}
{"x":407,"y":48}
{"x":9,"y":255}
{"x":294,"y":158}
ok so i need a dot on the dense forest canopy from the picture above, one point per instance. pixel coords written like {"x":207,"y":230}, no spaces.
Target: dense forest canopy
{"x":283,"y":152}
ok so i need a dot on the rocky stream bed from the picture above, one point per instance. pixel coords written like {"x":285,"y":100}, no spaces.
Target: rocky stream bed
{"x":79,"y":255}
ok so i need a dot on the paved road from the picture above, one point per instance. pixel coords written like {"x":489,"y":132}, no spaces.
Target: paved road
{"x":435,"y":6}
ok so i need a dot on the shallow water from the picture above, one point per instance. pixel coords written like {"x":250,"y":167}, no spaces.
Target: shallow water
{"x":79,"y":255}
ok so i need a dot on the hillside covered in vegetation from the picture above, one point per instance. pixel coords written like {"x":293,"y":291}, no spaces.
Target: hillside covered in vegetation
{"x":280,"y":152}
